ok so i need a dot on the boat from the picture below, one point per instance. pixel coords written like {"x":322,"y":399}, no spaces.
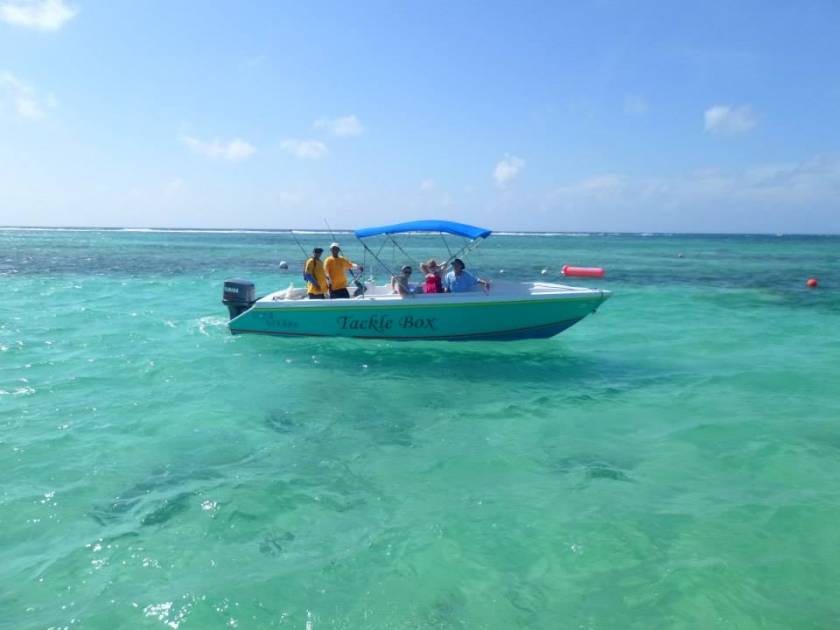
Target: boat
{"x":507,"y":311}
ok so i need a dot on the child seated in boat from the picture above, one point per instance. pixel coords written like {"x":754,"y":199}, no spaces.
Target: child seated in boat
{"x":433,"y":282}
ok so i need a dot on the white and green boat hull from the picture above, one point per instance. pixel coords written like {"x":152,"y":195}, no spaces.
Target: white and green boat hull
{"x":526,"y":311}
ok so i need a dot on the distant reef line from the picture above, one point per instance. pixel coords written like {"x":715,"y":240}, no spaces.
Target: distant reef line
{"x":322,"y":231}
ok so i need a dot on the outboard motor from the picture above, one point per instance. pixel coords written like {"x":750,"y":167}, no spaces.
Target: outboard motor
{"x":238,"y":296}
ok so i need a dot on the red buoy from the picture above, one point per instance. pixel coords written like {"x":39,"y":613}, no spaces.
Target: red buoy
{"x":583,"y":272}
{"x":811,"y":283}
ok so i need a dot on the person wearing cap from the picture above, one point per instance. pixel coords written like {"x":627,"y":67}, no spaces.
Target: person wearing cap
{"x":399,"y":284}
{"x":459,"y":279}
{"x":335,"y":266}
{"x":313,"y":273}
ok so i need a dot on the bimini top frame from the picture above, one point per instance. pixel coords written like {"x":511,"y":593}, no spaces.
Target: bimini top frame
{"x":428,"y":225}
{"x":475,"y":234}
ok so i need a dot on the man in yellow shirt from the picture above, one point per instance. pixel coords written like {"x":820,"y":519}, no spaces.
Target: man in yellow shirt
{"x":313,"y":273}
{"x":336,"y":265}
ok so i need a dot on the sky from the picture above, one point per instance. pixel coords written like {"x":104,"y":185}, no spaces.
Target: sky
{"x":578,"y":116}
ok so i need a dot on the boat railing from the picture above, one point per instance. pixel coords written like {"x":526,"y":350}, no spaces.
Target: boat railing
{"x":385,"y":293}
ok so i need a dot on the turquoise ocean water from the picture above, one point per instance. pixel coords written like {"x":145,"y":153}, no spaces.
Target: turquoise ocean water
{"x":672,"y":461}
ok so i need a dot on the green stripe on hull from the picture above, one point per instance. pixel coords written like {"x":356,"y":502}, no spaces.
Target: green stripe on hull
{"x":536,"y":332}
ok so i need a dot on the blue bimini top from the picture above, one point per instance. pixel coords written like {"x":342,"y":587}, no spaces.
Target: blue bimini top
{"x":448,"y":227}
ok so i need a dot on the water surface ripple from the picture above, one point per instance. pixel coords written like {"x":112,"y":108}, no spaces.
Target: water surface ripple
{"x":673,"y":461}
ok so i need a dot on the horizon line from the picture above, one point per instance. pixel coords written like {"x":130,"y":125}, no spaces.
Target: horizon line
{"x":501,"y":232}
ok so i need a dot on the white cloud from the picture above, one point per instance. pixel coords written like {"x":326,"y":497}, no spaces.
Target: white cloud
{"x":764,"y":197}
{"x":601,"y":185}
{"x":234,"y":151}
{"x":508,"y":169}
{"x":22,"y":98}
{"x":44,"y":15}
{"x":729,"y":119}
{"x":427,"y":185}
{"x":253,"y":62}
{"x":174,"y":187}
{"x":305,"y":149}
{"x":343,"y":127}
{"x":289,"y":198}
{"x":636,"y":105}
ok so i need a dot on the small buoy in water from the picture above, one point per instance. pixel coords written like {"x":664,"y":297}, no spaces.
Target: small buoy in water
{"x":501,"y":271}
{"x":583,"y":272}
{"x":811,"y":283}
{"x":283,"y":264}
{"x":544,"y":271}
{"x":680,"y":255}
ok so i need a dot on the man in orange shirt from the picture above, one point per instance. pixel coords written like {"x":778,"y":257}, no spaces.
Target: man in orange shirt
{"x":336,"y":265}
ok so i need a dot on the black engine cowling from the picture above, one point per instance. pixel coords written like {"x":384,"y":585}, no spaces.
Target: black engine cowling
{"x":238,"y":296}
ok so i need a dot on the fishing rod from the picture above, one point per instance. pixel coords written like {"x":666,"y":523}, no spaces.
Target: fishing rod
{"x":305,"y":255}
{"x":330,"y":230}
